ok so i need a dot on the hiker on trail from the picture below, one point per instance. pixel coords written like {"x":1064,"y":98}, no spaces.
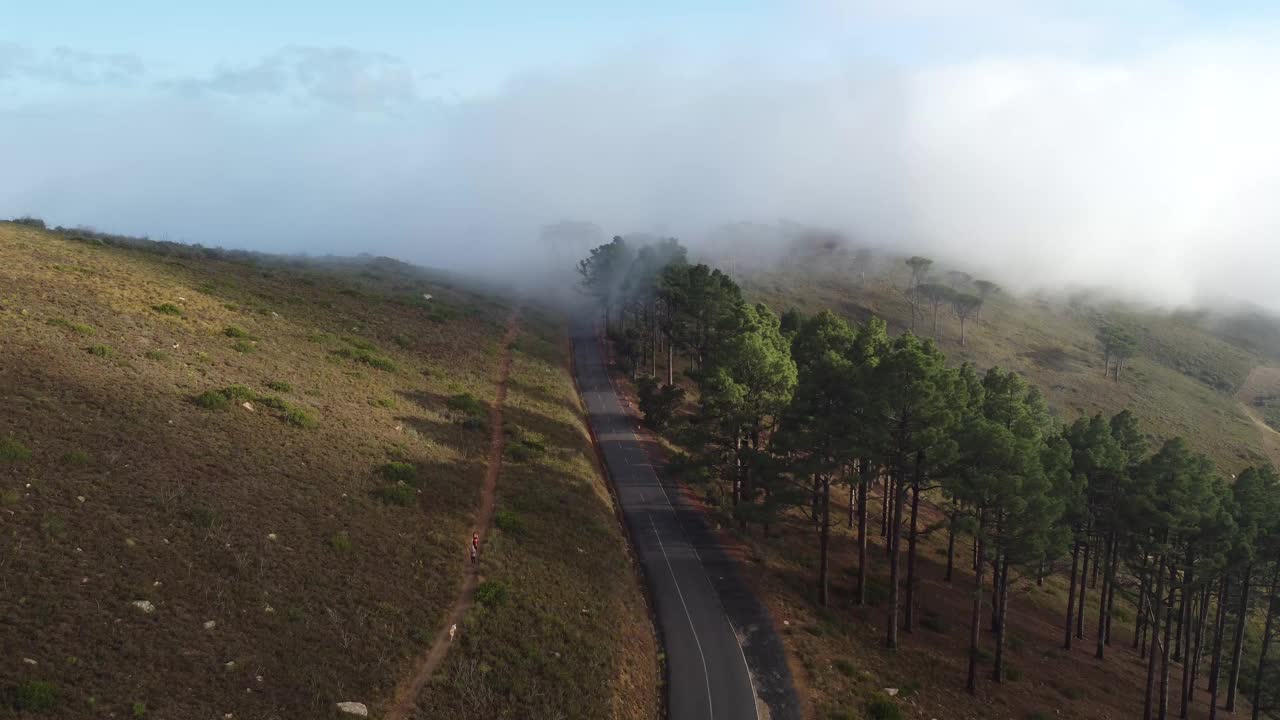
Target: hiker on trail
{"x":475,"y":541}
{"x":473,"y":554}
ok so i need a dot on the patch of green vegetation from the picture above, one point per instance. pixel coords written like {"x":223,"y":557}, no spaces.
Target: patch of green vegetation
{"x":9,"y":497}
{"x":299,"y":418}
{"x":1072,"y":693}
{"x":384,"y":402}
{"x":52,"y":525}
{"x":340,"y":541}
{"x":78,"y":327}
{"x":491,"y":593}
{"x":244,"y":347}
{"x":1012,"y":672}
{"x":399,"y":472}
{"x":13,"y":451}
{"x":280,"y":386}
{"x":399,"y":494}
{"x":157,"y":355}
{"x":1038,"y":715}
{"x":883,"y":709}
{"x":508,"y":522}
{"x":467,"y":404}
{"x":403,"y":341}
{"x":202,"y":517}
{"x":35,"y":696}
{"x":931,"y":620}
{"x":239,"y":393}
{"x":168,"y":309}
{"x":368,"y":358}
{"x":273,"y":402}
{"x":360,"y":344}
{"x":233,"y":331}
{"x":77,"y":457}
{"x":139,"y":709}
{"x":102,"y":351}
{"x":844,"y":667}
{"x":985,"y":656}
{"x":213,"y":400}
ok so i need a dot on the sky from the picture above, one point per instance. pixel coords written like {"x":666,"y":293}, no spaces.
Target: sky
{"x":1049,"y":144}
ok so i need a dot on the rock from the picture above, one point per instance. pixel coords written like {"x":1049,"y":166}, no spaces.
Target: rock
{"x":268,"y":609}
{"x":210,"y":624}
{"x":353,"y":708}
{"x":29,"y":661}
{"x":155,"y":584}
{"x":258,"y":678}
{"x":144,"y":605}
{"x":891,"y":692}
{"x":130,"y":542}
{"x":426,"y":296}
{"x":80,"y":498}
{"x":247,"y":406}
{"x":272,"y":537}
{"x":230,"y":665}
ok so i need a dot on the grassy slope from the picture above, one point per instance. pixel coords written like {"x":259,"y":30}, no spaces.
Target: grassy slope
{"x":1053,"y":344}
{"x":320,"y":591}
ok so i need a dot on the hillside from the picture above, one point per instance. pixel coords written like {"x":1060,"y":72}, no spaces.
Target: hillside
{"x":245,"y":487}
{"x":1184,"y":379}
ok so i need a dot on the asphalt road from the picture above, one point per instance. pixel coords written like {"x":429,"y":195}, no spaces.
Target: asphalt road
{"x":707,"y":674}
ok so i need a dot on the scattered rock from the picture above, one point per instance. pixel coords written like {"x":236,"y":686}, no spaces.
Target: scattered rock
{"x":426,"y":296}
{"x":258,"y":678}
{"x":210,"y":624}
{"x":231,"y":665}
{"x":268,"y":609}
{"x":80,"y":498}
{"x":79,"y":550}
{"x":274,"y":314}
{"x":353,"y":708}
{"x":155,"y":584}
{"x":29,"y":661}
{"x":227,"y":716}
{"x":247,"y":406}
{"x":130,"y":542}
{"x":272,"y":537}
{"x":144,"y":605}
{"x":786,"y":623}
{"x":891,"y":692}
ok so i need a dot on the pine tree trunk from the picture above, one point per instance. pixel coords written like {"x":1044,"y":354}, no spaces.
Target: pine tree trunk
{"x":975,"y":619}
{"x":997,"y":667}
{"x":853,"y":502}
{"x":885,"y":483}
{"x":1266,"y":642}
{"x":1111,"y":594}
{"x":1084,"y":577}
{"x":1140,"y":622}
{"x":895,"y":537}
{"x":864,"y":486}
{"x":1202,"y":617}
{"x":1166,"y":646}
{"x":824,"y":542}
{"x":951,"y":545}
{"x":1215,"y":664}
{"x":910,"y":616}
{"x":1185,"y":628}
{"x":1102,"y":601}
{"x":1153,"y":659}
{"x":995,"y":585}
{"x":1071,"y":595}
{"x":1237,"y":644}
{"x":671,"y":362}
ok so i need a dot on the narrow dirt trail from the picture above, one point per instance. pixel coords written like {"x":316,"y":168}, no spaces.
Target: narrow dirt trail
{"x":1261,"y":379}
{"x":407,"y":692}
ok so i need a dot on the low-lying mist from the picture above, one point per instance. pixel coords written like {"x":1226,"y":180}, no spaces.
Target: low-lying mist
{"x":1153,"y":176}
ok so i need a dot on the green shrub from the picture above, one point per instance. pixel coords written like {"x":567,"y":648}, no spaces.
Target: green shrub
{"x":525,"y":450}
{"x":360,"y":344}
{"x":1038,"y":715}
{"x":298,"y":417}
{"x":467,"y":404}
{"x":10,"y":497}
{"x":239,"y":393}
{"x":844,"y":667}
{"x":340,"y":541}
{"x":102,"y":351}
{"x":167,"y":309}
{"x":139,"y":709}
{"x":80,"y":328}
{"x":368,"y":358}
{"x":76,"y":457}
{"x":399,"y":472}
{"x":1072,"y":693}
{"x":388,"y":403}
{"x":399,"y":494}
{"x":403,"y":341}
{"x":244,"y":346}
{"x":35,"y":695}
{"x":883,"y":709}
{"x":202,"y":517}
{"x":491,"y":593}
{"x":280,"y":386}
{"x":1012,"y":672}
{"x":508,"y":522}
{"x":157,"y":355}
{"x":985,"y":656}
{"x":933,"y":621}
{"x":273,"y":402}
{"x":13,"y":451}
{"x":659,"y":402}
{"x":212,"y":400}
{"x":233,"y":331}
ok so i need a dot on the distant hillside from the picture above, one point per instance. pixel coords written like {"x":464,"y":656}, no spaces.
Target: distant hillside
{"x":238,"y":485}
{"x":1184,"y":380}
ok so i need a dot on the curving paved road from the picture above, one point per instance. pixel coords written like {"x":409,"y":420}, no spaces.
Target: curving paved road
{"x":707,"y":672}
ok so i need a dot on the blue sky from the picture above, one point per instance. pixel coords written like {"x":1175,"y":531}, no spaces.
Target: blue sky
{"x":1054,"y":142}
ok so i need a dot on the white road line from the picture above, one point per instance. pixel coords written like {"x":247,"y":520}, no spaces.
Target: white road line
{"x":711,"y":713}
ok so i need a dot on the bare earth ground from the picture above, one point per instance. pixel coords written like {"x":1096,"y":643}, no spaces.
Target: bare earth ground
{"x":281,"y":577}
{"x":1263,"y":381}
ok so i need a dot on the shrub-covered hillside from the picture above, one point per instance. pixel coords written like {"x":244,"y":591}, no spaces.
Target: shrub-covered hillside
{"x":244,"y":486}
